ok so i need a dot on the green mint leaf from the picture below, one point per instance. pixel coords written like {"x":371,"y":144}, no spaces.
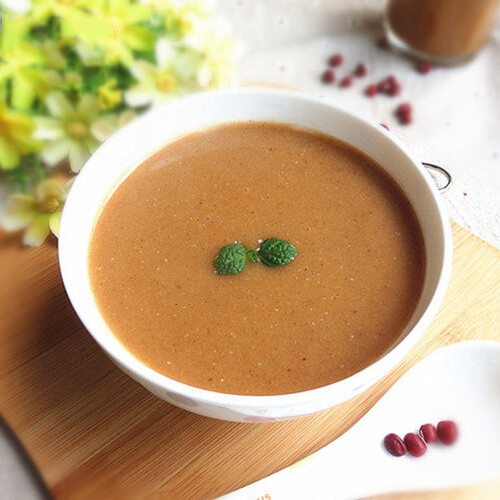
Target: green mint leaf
{"x":231,"y":259}
{"x":274,"y":252}
{"x":253,"y":256}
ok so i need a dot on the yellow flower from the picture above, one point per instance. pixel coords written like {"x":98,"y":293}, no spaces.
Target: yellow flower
{"x":16,"y":137}
{"x":174,"y":74}
{"x":41,"y":10}
{"x":212,"y":39}
{"x":15,"y":27}
{"x":20,"y":65}
{"x":39,"y":214}
{"x":112,"y":27}
{"x":57,"y":80}
{"x":124,"y":117}
{"x":182,"y":19}
{"x":109,"y":95}
{"x":53,"y":57}
{"x":71,"y":131}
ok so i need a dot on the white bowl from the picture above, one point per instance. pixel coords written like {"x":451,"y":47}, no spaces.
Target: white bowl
{"x":129,"y":147}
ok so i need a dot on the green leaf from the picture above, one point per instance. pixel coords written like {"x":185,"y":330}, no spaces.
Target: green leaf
{"x":24,"y":177}
{"x":253,"y":256}
{"x":231,"y":259}
{"x":274,"y":252}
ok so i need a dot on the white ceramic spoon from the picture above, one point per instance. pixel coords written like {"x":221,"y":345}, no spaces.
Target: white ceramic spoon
{"x":460,"y":382}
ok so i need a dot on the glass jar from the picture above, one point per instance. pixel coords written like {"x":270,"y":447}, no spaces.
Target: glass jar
{"x":440,"y":31}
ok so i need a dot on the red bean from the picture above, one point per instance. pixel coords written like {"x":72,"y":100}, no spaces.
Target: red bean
{"x":384,"y":86}
{"x":328,"y":76}
{"x":447,"y":431}
{"x":336,"y":60}
{"x":394,"y":445}
{"x":390,"y":86}
{"x":429,"y":433}
{"x":416,"y":447}
{"x":384,"y":125}
{"x":424,"y":67}
{"x":405,"y":107}
{"x":360,"y":70}
{"x":371,"y":90}
{"x":404,"y":113}
{"x":394,"y":89}
{"x":346,"y":81}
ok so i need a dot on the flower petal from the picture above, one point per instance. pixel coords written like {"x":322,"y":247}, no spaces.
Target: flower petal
{"x":139,"y":95}
{"x":23,"y":91}
{"x":127,"y":116}
{"x":12,"y":220}
{"x":89,"y":55}
{"x":204,"y":76}
{"x":19,"y":200}
{"x":67,"y":187}
{"x":55,"y":221}
{"x":56,"y":151}
{"x":78,"y":155}
{"x":48,"y":129}
{"x":185,"y":65}
{"x":19,"y":212}
{"x":104,"y":127}
{"x":37,"y":231}
{"x":92,"y":144}
{"x":165,"y":53}
{"x":88,"y":108}
{"x":143,"y":71}
{"x":9,"y":156}
{"x":58,"y":105}
{"x":47,"y":188}
{"x":138,"y":38}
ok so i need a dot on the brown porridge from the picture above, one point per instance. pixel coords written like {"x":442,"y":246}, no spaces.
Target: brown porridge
{"x":340,"y":305}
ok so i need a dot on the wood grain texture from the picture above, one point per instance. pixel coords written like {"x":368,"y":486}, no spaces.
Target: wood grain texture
{"x":94,"y":433}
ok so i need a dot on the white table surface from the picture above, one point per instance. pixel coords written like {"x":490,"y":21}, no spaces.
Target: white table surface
{"x":456,"y":113}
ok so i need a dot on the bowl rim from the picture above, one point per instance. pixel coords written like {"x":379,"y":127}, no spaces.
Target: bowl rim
{"x":363,"y":378}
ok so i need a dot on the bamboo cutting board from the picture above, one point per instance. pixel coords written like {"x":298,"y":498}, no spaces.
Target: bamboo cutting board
{"x":96,"y":434}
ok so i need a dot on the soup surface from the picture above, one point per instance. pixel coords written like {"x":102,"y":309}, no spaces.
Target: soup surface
{"x":340,"y":305}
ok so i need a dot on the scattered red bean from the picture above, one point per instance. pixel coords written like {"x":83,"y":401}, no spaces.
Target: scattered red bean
{"x":390,"y":86}
{"x":360,"y":70}
{"x":394,"y":445}
{"x":384,"y":125}
{"x":383,"y":43}
{"x":404,"y":113}
{"x":429,"y":433}
{"x":346,"y":81}
{"x":328,"y":76}
{"x":405,"y":107}
{"x":383,"y":86}
{"x":371,"y":90}
{"x":394,"y":90}
{"x":336,"y":60}
{"x":424,"y":67}
{"x":447,"y":431}
{"x":416,"y":447}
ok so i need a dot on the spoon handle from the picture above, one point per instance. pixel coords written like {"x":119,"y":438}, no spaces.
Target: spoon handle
{"x":459,"y":382}
{"x":331,"y":473}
